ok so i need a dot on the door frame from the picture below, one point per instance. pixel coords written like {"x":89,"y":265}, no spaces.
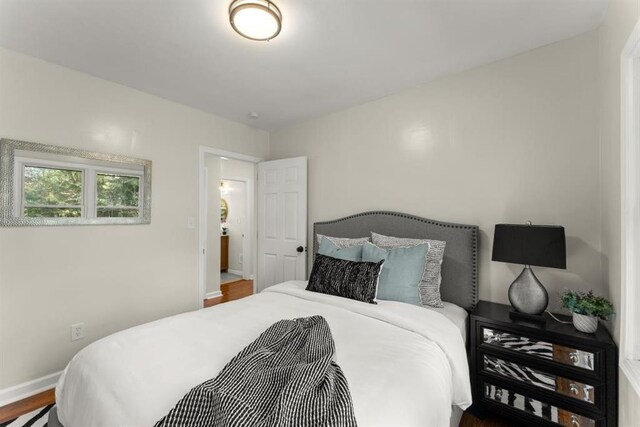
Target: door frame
{"x":249,"y":198}
{"x":203,"y":150}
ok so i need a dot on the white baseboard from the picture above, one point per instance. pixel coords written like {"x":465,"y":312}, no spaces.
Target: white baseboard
{"x":24,"y":390}
{"x":214,"y":294}
{"x":236,"y":272}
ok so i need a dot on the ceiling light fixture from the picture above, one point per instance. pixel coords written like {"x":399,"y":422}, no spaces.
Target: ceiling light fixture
{"x":258,"y":20}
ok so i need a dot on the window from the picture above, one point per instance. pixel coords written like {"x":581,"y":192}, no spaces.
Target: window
{"x":54,"y":189}
{"x":51,"y":192}
{"x":118,"y":196}
{"x":54,"y":186}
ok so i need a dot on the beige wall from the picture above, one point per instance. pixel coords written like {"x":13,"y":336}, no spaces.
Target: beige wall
{"x":109,"y":277}
{"x":512,"y":141}
{"x":621,"y":17}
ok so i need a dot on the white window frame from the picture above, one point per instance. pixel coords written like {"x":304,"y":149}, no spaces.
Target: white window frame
{"x":89,"y":206}
{"x":630,"y":210}
{"x":21,"y":163}
{"x":119,"y":172}
{"x":15,"y":154}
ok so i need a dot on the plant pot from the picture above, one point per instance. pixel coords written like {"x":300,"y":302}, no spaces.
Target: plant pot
{"x":584,"y":323}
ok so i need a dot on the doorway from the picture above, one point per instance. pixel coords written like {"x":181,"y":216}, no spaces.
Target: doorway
{"x":234,"y":214}
{"x":227,"y":226}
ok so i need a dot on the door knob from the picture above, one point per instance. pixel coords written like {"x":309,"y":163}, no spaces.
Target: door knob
{"x":300,"y":249}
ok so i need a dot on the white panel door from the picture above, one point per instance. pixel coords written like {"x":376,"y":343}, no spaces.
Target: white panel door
{"x":282,"y":221}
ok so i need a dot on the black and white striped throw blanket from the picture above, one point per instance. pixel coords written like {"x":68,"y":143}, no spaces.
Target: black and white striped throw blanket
{"x":285,"y":378}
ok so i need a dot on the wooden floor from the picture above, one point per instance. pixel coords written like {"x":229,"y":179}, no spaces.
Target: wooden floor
{"x":469,"y":420}
{"x":24,"y":406}
{"x":231,"y":291}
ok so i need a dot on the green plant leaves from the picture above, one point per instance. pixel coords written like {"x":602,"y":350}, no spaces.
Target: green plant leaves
{"x":588,"y":304}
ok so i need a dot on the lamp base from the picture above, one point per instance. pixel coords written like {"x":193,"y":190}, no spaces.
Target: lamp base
{"x":538,"y":318}
{"x":527,"y":295}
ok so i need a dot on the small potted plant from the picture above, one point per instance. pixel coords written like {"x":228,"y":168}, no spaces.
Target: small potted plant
{"x":587,"y":309}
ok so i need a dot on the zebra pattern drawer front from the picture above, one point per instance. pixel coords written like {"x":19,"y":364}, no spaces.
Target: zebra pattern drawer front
{"x":541,"y":373}
{"x":511,"y":370}
{"x":534,"y":407}
{"x":545,"y":350}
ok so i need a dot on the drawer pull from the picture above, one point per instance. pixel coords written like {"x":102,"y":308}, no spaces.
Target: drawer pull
{"x":574,"y":357}
{"x":575,"y":421}
{"x":574,"y":388}
{"x":499,"y":365}
{"x":493,"y":338}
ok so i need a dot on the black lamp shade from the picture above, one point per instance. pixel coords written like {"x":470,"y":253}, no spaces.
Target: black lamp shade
{"x":541,"y":245}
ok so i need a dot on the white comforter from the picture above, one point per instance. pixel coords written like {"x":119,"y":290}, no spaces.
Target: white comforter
{"x":405,"y":365}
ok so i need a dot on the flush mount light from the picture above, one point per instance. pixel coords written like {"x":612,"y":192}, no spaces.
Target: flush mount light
{"x":258,"y":20}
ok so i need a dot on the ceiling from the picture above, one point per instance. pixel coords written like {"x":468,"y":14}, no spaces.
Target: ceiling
{"x":331,"y":54}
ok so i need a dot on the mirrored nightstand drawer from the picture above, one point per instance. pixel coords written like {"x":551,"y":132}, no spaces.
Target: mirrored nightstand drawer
{"x":515,"y":371}
{"x":544,"y":350}
{"x":535,"y":407}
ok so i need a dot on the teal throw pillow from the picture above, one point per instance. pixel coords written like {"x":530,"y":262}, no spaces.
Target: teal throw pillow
{"x":401,"y":272}
{"x":328,"y":248}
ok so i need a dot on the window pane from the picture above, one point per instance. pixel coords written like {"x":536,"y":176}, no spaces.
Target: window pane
{"x":53,"y":187}
{"x":52,"y":212}
{"x":118,"y":212}
{"x":118,"y":191}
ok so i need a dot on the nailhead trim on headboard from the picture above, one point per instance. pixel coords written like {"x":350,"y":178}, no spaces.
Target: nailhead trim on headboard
{"x":472,"y":228}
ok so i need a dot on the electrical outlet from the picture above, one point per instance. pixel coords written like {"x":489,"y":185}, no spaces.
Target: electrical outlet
{"x":77,"y":331}
{"x":240,"y":258}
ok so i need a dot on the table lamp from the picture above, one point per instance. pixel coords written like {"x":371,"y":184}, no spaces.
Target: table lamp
{"x":539,"y":245}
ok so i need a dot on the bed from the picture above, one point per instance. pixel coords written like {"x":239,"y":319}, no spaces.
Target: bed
{"x":405,"y":365}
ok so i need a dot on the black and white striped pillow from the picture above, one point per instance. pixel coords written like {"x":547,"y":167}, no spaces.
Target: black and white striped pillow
{"x":431,"y":278}
{"x":356,"y":280}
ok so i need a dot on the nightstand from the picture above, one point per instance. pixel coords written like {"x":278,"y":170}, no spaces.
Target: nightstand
{"x":541,"y":374}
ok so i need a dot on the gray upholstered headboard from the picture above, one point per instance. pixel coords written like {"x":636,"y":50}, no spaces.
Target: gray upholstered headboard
{"x":460,"y":263}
